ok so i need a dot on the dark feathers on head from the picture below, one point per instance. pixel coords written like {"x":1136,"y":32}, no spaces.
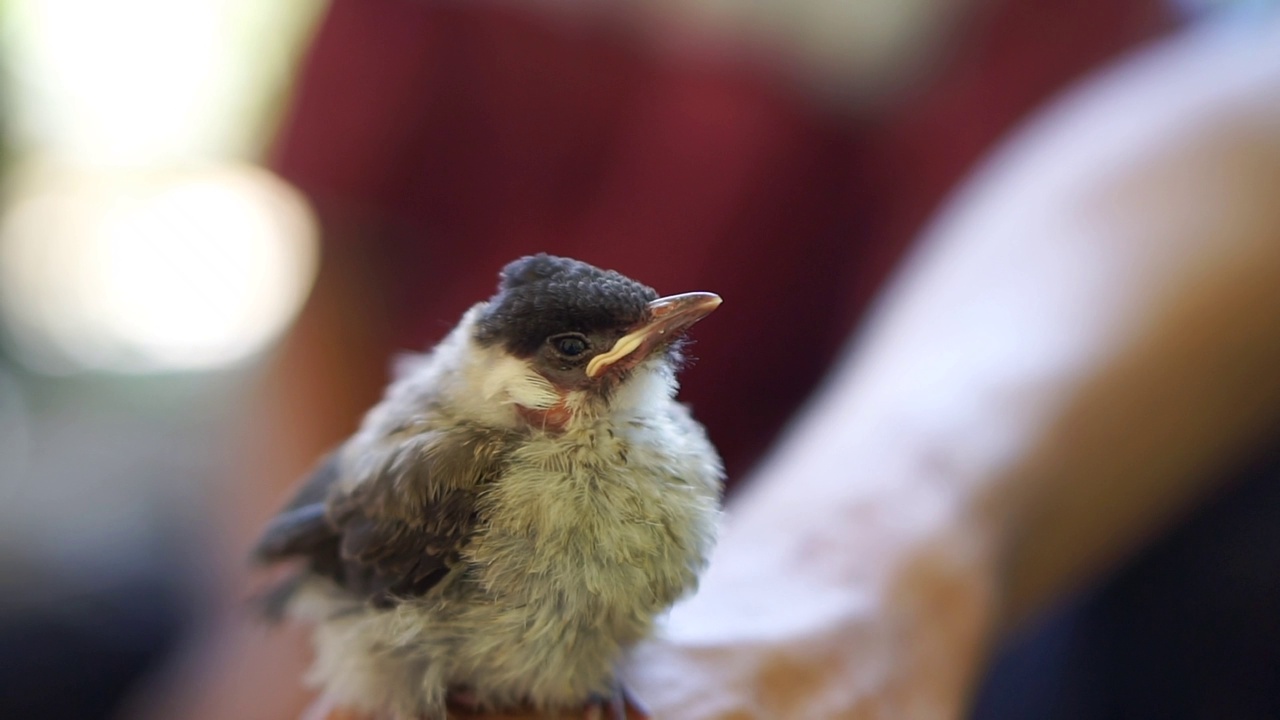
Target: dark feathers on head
{"x":541,"y":295}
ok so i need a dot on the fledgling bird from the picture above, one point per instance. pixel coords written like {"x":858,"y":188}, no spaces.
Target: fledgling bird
{"x":513,"y":515}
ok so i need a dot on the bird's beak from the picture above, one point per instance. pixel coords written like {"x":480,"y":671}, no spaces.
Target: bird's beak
{"x":669,"y":317}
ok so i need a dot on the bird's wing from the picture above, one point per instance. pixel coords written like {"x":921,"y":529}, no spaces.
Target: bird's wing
{"x":396,"y":531}
{"x":301,"y":525}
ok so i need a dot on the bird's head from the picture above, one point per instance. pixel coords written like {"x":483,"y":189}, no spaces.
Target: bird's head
{"x":585,"y":332}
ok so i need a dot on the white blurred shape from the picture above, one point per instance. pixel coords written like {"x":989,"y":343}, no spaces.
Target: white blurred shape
{"x":141,"y":83}
{"x":185,"y":273}
{"x":119,"y":82}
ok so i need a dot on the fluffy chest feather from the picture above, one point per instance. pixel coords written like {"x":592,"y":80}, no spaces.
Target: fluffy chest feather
{"x":610,"y":519}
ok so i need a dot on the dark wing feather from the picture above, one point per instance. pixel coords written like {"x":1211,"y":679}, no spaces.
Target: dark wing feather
{"x":401,"y":528}
{"x":384,"y":559}
{"x":300,"y":527}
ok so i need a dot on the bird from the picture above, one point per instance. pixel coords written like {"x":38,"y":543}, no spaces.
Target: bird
{"x":517,"y":511}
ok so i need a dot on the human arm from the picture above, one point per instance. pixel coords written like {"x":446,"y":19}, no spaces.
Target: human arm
{"x":1086,"y":339}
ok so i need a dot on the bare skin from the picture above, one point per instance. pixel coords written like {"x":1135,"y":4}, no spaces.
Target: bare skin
{"x":1087,"y":336}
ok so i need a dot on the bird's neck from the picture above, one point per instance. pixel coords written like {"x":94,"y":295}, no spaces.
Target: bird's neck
{"x":554,"y":419}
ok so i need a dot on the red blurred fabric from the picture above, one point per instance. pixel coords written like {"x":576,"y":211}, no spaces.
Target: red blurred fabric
{"x":468,"y":134}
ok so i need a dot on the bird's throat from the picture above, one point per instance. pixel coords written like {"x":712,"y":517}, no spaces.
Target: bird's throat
{"x":552,"y":419}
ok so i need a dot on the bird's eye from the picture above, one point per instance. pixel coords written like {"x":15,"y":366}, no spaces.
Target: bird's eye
{"x":570,"y":344}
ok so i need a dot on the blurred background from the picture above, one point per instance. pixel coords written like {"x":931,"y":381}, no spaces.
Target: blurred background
{"x":178,"y":176}
{"x":146,"y":259}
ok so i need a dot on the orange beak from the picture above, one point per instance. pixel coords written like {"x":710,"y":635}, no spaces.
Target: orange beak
{"x":669,"y":318}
